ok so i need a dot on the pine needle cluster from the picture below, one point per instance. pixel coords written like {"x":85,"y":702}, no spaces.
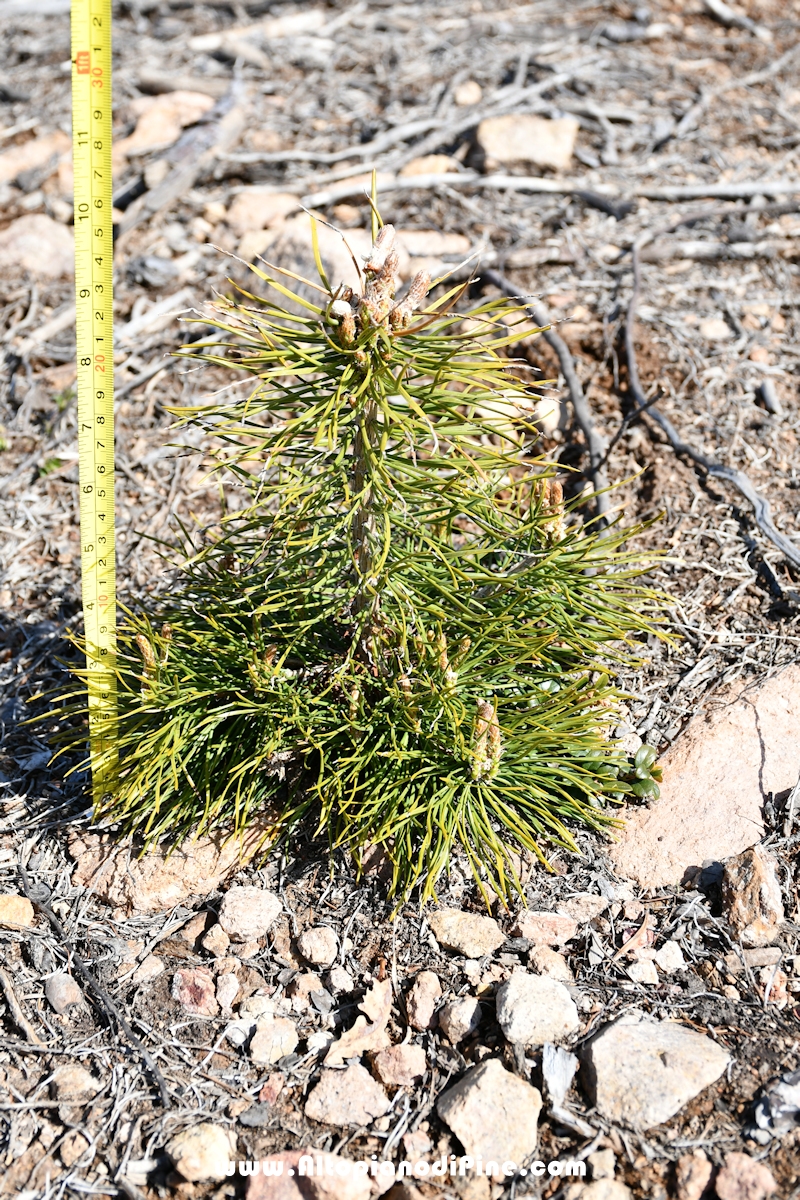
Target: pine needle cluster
{"x":404,"y":636}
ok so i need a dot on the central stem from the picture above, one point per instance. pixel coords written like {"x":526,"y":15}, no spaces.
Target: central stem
{"x":365,"y":528}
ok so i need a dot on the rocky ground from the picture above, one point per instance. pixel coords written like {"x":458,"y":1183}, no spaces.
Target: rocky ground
{"x":162,"y":1016}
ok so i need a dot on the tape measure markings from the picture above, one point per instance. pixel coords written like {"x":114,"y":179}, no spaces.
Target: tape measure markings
{"x":94,"y":302}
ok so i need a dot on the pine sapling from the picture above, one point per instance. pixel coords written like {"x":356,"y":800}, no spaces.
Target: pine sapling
{"x":404,"y":636}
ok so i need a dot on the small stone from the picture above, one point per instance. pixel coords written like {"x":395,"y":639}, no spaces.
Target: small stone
{"x":401,"y":1066}
{"x":545,"y":961}
{"x":340,"y":980}
{"x":349,"y":1097}
{"x":426,"y":249}
{"x":274,"y":1038}
{"x":193,"y":930}
{"x":193,"y":988}
{"x":774,"y":983}
{"x":73,"y":1083}
{"x":742,"y":1178}
{"x":546,"y":928}
{"x":319,"y":1041}
{"x":255,"y":209}
{"x":422,"y":1000}
{"x":493,"y":1113}
{"x":300,"y":989}
{"x":271,"y":1088}
{"x":430,"y":164}
{"x":228,"y":989}
{"x":149,"y":968}
{"x":525,"y":139}
{"x":601,"y":1164}
{"x":641,"y":1072}
{"x":31,"y":155}
{"x":237,"y":1032}
{"x":760,"y":956}
{"x":202,"y":1154}
{"x":468,"y":93}
{"x":216,"y":941}
{"x":160,"y":121}
{"x":670,"y":958}
{"x":319,"y":945}
{"x":63,"y":992}
{"x":460,"y":1018}
{"x":751,"y":897}
{"x":716,"y":329}
{"x":731,"y":993}
{"x":37,"y":244}
{"x":73,"y":1147}
{"x":692,"y":1175}
{"x":643,"y":971}
{"x":416,"y":1144}
{"x":584,"y":907}
{"x":466,"y":933}
{"x":16,"y":910}
{"x":248,"y":949}
{"x":533,"y":1009}
{"x":258,"y":1005}
{"x":246,"y":913}
{"x":214,"y":212}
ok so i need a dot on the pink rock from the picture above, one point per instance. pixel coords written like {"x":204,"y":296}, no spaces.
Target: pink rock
{"x":545,"y":961}
{"x":692,"y":1175}
{"x":401,"y":1066}
{"x":716,"y":778}
{"x":751,"y":897}
{"x":194,"y":929}
{"x":319,"y":945}
{"x":742,"y":1178}
{"x":38,"y":244}
{"x":546,"y":928}
{"x":149,"y":968}
{"x":775,"y":986}
{"x":255,"y":208}
{"x":465,"y":932}
{"x":460,"y":1018}
{"x":274,"y":1038}
{"x":216,"y":941}
{"x":422,"y":999}
{"x":163,"y":877}
{"x":193,"y":988}
{"x":228,"y":989}
{"x":247,"y":913}
{"x":271,"y":1088}
{"x":350,"y":1097}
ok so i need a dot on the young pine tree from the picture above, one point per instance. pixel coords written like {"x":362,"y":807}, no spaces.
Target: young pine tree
{"x":403,"y":637}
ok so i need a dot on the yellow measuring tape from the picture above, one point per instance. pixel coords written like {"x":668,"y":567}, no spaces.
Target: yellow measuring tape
{"x":94,"y":253}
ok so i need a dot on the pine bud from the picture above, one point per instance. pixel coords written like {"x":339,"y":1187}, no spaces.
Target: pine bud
{"x":384,"y":243}
{"x":146,"y":651}
{"x":487,"y":748}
